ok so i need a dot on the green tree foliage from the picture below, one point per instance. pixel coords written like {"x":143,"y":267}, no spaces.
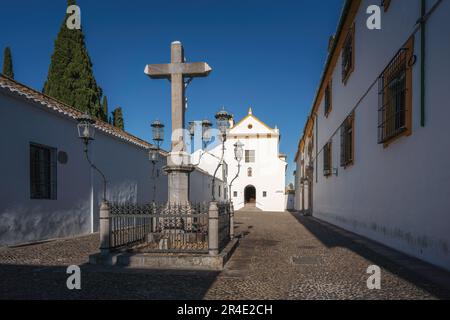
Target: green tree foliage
{"x":8,"y":64}
{"x":117,"y":119}
{"x":103,"y":114}
{"x":70,"y":77}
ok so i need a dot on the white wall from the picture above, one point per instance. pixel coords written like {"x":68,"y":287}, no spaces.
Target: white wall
{"x":397,"y":195}
{"x":22,"y":219}
{"x":201,"y":184}
{"x":128,"y":171}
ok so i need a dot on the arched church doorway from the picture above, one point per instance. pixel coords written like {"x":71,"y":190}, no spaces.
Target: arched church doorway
{"x":250,"y":195}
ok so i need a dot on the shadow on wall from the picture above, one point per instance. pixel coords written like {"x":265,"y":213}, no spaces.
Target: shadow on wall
{"x":97,"y":283}
{"x":20,"y":224}
{"x":323,"y":232}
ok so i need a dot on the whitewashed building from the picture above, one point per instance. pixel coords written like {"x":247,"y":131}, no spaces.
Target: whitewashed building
{"x":48,"y":189}
{"x":261,"y":180}
{"x":374,"y":154}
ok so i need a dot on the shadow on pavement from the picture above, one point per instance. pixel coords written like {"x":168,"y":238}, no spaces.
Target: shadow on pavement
{"x":19,"y":282}
{"x":331,"y":238}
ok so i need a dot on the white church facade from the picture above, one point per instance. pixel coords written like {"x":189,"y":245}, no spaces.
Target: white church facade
{"x":260,"y":181}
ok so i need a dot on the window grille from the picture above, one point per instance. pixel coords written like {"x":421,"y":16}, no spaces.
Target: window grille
{"x":348,"y":52}
{"x":347,"y":135}
{"x":327,"y":159}
{"x":392,"y":93}
{"x":328,"y":99}
{"x":43,"y":172}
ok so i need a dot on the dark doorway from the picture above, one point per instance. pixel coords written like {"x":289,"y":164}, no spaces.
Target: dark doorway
{"x":250,"y":194}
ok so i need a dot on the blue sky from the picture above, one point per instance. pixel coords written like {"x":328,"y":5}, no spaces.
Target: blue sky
{"x":265,"y":54}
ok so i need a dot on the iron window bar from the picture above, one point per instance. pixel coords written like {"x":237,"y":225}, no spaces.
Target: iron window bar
{"x":347,"y":55}
{"x":392,"y":92}
{"x":347,"y":141}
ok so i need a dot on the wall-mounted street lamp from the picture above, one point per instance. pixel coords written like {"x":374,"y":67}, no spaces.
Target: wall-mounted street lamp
{"x":206,"y":136}
{"x":158,"y":132}
{"x":223,"y":124}
{"x":154,"y":150}
{"x":238,"y":156}
{"x":86,"y":132}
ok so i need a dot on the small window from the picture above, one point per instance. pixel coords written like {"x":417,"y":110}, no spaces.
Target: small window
{"x":327,"y":160}
{"x":249,"y":156}
{"x":328,"y":104}
{"x":250,"y":172}
{"x":395,"y":97}
{"x":264,"y":194}
{"x":347,"y":141}
{"x":235,"y":194}
{"x":43,"y":174}
{"x":220,"y":191}
{"x":348,"y":55}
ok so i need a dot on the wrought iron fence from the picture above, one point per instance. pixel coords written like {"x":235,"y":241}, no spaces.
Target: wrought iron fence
{"x":159,"y":228}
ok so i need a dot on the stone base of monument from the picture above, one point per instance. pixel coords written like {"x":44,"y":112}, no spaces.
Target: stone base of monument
{"x":139,"y":260}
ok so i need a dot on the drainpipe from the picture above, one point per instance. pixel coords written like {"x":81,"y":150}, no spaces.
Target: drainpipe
{"x":316,"y":144}
{"x":422,"y":62}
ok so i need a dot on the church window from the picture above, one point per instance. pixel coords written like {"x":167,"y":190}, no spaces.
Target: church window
{"x":395,"y":92}
{"x":249,"y":156}
{"x":264,"y":194}
{"x":348,"y":55}
{"x":327,"y":159}
{"x":347,"y":141}
{"x":250,"y":172}
{"x":250,"y":126}
{"x":43,"y":172}
{"x":235,"y":194}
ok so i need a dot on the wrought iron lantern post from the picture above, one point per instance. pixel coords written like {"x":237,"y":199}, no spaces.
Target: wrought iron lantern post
{"x":238,"y":155}
{"x":154,"y":151}
{"x":223,"y":123}
{"x":86,"y":132}
{"x":206,"y":136}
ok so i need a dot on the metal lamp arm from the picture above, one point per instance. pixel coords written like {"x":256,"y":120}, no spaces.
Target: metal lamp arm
{"x":217,"y":169}
{"x":237,"y":175}
{"x":98,"y":170}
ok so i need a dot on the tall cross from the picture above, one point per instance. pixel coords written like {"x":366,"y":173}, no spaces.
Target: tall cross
{"x":177,"y":72}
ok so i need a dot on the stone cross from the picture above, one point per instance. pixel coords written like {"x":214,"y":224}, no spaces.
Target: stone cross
{"x":178,"y":163}
{"x":177,"y":72}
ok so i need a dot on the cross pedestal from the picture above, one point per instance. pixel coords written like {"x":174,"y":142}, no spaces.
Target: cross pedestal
{"x":178,"y":72}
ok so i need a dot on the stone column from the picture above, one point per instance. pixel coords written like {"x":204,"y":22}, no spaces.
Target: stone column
{"x":105,"y":235}
{"x":178,"y":170}
{"x":213,"y":229}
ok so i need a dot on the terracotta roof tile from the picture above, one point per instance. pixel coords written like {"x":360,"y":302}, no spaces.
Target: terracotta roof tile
{"x":30,"y":94}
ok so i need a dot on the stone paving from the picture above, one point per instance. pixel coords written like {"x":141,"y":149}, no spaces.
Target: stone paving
{"x":281,"y":256}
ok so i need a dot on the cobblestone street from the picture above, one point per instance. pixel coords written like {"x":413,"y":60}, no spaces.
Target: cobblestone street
{"x":281,"y":256}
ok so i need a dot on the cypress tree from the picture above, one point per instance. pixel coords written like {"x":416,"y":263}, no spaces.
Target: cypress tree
{"x":8,"y":64}
{"x":103,"y":114}
{"x":70,"y":77}
{"x":118,"y":118}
